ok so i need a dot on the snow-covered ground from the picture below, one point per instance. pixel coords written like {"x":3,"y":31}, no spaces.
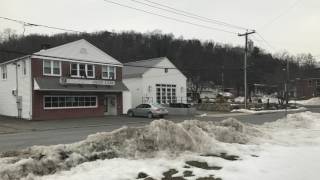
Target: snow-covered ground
{"x":309,"y":102}
{"x":264,"y":99}
{"x":248,"y":111}
{"x":285,"y":149}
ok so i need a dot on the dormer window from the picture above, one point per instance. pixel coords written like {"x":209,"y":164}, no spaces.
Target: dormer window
{"x":51,"y":68}
{"x":82,"y":70}
{"x":109,"y":72}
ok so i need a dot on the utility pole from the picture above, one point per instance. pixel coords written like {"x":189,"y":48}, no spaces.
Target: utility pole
{"x":286,"y":86}
{"x":246,"y":34}
{"x":222,"y":77}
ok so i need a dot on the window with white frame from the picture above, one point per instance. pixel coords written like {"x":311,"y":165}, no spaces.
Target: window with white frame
{"x":82,"y":70}
{"x":51,"y":68}
{"x":166,"y":93}
{"x":109,"y":72}
{"x":65,"y":102}
{"x":4,"y":74}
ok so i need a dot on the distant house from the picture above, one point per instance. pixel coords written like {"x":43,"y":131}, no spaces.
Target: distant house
{"x":307,"y":88}
{"x":155,"y":81}
{"x":72,"y":80}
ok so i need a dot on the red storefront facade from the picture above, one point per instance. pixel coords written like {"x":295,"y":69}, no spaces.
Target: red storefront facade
{"x":75,"y":88}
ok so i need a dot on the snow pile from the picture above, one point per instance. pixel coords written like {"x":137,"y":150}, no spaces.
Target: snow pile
{"x":264,"y":99}
{"x":239,"y":99}
{"x":284,"y":149}
{"x":128,"y":142}
{"x":272,"y":99}
{"x":306,"y":120}
{"x":248,"y":111}
{"x":310,"y":102}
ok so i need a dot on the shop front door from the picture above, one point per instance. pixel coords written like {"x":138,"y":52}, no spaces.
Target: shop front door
{"x":110,"y":104}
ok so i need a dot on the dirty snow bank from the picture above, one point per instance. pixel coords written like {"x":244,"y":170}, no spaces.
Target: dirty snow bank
{"x":309,"y":102}
{"x":264,"y":99}
{"x":267,"y":111}
{"x":128,"y":142}
{"x":292,"y":154}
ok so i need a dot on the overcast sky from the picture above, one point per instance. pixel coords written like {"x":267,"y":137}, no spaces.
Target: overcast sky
{"x":296,"y":29}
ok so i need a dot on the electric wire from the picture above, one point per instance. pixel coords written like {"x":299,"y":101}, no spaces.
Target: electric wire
{"x":265,"y":41}
{"x":171,"y":18}
{"x":279,"y":15}
{"x":202,"y":17}
{"x":39,"y":25}
{"x":189,"y":15}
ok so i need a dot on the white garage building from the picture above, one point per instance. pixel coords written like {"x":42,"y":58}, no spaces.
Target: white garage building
{"x":155,"y":81}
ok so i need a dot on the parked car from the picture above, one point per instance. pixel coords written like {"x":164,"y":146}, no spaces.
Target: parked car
{"x":148,"y":110}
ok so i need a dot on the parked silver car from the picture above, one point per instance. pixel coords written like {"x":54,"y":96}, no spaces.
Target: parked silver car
{"x":148,"y":110}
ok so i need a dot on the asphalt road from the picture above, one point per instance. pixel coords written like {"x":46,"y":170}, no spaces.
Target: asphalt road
{"x":68,"y":131}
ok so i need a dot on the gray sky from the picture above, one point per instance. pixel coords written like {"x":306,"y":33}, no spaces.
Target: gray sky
{"x":296,"y":30}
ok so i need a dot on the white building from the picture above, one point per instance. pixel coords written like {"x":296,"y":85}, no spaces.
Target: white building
{"x":155,"y":81}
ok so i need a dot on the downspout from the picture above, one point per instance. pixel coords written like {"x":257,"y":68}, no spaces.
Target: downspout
{"x":18,"y":98}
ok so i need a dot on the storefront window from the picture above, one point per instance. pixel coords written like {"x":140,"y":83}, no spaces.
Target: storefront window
{"x":61,"y":102}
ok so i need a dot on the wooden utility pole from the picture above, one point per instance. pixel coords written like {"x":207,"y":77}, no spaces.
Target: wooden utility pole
{"x":246,"y":34}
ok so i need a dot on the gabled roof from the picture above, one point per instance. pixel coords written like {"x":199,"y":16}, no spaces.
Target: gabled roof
{"x":80,"y":50}
{"x":138,"y":68}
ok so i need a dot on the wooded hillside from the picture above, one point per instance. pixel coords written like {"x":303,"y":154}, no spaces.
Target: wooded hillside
{"x":201,"y":61}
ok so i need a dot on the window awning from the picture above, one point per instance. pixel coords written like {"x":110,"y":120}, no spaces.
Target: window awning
{"x":54,"y":84}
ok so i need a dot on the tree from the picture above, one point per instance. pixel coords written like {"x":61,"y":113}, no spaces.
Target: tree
{"x":8,"y":34}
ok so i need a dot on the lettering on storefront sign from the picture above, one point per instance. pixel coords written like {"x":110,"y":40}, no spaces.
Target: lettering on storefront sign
{"x":66,"y":81}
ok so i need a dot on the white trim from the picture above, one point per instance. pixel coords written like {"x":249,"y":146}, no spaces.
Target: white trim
{"x":115,"y":105}
{"x":93,"y":69}
{"x":13,"y":60}
{"x":73,"y":107}
{"x":69,"y":90}
{"x":108,"y":72}
{"x":74,"y":61}
{"x":85,"y":69}
{"x":51,"y":66}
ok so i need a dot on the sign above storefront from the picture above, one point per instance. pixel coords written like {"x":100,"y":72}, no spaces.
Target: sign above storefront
{"x":66,"y":81}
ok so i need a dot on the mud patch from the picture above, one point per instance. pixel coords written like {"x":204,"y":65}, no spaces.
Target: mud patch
{"x":142,"y":175}
{"x":223,"y":156}
{"x":188,"y":174}
{"x":203,"y":165}
{"x":208,"y":178}
{"x":168,"y":175}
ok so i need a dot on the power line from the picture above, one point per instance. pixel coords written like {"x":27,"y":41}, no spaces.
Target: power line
{"x":193,"y":14}
{"x":39,"y":25}
{"x":280,"y":15}
{"x":188,"y":14}
{"x":171,"y":18}
{"x":266,"y":42}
